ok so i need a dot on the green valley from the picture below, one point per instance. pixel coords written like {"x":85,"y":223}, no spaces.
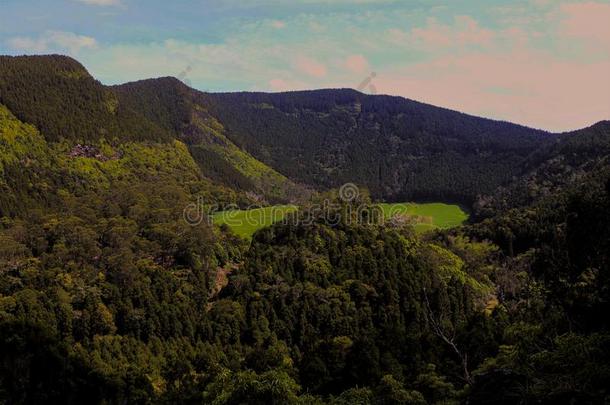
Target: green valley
{"x":423,"y":217}
{"x":426,"y":216}
{"x":245,"y":223}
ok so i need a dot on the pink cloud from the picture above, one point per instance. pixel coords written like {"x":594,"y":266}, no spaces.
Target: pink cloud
{"x":468,"y":32}
{"x":588,"y":21}
{"x":523,"y":86}
{"x":310,"y":67}
{"x":356,"y":64}
{"x":278,"y":85}
{"x":502,"y":74}
{"x":278,"y":24}
{"x":434,"y":34}
{"x":515,"y":36}
{"x":465,"y":31}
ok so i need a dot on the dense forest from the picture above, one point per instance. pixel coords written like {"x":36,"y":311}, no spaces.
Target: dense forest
{"x":107,"y":295}
{"x":399,"y":149}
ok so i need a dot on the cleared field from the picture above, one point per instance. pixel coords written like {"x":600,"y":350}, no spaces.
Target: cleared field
{"x":245,"y":222}
{"x":424,"y":217}
{"x":427,"y":216}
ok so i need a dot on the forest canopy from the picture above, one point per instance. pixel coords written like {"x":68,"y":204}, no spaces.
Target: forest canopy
{"x":107,"y":294}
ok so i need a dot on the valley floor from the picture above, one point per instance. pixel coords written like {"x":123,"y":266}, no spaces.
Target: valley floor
{"x":423,"y":217}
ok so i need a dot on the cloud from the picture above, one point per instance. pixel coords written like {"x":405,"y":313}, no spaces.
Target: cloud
{"x":356,"y":64}
{"x":279,"y":24}
{"x":101,"y":2}
{"x":28,"y":44}
{"x":278,"y":84}
{"x":316,"y":27}
{"x":589,"y":21}
{"x":465,"y":31}
{"x":53,"y":41}
{"x":310,"y":66}
{"x":525,"y":86}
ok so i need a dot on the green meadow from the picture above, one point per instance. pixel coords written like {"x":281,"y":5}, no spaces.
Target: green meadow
{"x":245,"y":222}
{"x":423,"y":217}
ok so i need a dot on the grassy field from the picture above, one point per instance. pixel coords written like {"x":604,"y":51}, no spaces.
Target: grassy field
{"x":245,"y":223}
{"x":427,"y":216}
{"x":424,"y":217}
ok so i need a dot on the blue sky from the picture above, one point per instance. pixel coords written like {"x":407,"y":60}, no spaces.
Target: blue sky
{"x":543,"y":63}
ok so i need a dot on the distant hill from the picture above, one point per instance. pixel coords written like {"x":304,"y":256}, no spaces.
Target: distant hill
{"x":558,"y":165}
{"x":58,"y":96}
{"x":398,"y":148}
{"x":280,"y":147}
{"x":181,"y":111}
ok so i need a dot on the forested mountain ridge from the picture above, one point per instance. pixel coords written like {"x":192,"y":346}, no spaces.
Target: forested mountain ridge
{"x":178,"y":109}
{"x":58,"y":96}
{"x":398,"y":148}
{"x":404,"y":150}
{"x":279,"y":146}
{"x":567,"y":161}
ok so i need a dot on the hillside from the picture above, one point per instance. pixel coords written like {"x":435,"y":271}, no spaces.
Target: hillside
{"x":178,"y":109}
{"x":281,"y":147}
{"x":399,"y":149}
{"x":558,"y":165}
{"x":58,"y":96}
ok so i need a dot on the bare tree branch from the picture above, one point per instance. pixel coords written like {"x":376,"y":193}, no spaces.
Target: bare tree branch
{"x":438,"y":330}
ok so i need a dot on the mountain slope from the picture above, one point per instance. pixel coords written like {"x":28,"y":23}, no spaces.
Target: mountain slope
{"x":36,"y":174}
{"x":552,"y":168}
{"x":279,"y":146}
{"x":58,"y":96}
{"x":179,"y":110}
{"x":398,"y":148}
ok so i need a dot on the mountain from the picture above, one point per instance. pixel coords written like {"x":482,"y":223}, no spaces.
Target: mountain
{"x":178,"y":110}
{"x":556,"y":166}
{"x":282,"y":147}
{"x":398,"y":148}
{"x":58,"y":96}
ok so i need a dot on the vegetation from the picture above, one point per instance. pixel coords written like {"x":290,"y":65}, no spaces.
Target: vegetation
{"x":399,"y":149}
{"x":244,"y":223}
{"x":178,"y":109}
{"x":59,"y":97}
{"x":423,"y":217}
{"x":109,"y":295}
{"x":428,"y":216}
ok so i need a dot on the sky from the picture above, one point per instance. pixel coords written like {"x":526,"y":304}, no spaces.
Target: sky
{"x":541,"y":63}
